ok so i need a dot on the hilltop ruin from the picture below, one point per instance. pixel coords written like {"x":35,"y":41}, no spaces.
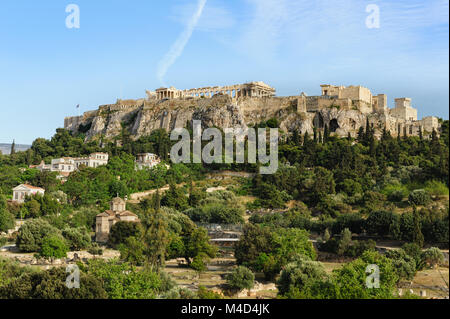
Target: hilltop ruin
{"x":343,"y":109}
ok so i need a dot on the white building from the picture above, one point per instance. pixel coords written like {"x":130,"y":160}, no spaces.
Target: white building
{"x":94,"y":160}
{"x":23,"y":190}
{"x":63,"y":165}
{"x":147,"y":160}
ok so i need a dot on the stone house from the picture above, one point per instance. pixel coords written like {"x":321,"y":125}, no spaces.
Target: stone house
{"x":23,"y":190}
{"x":94,"y":160}
{"x":107,"y":219}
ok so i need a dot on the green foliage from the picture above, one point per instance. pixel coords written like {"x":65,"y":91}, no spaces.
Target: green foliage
{"x":77,"y":238}
{"x":121,"y":230}
{"x":419,"y":197}
{"x":132,"y":251}
{"x":436,"y":188}
{"x":51,"y":284}
{"x":241,"y":278}
{"x":219,"y":208}
{"x":350,"y":280}
{"x":379,"y":222}
{"x":53,"y":246}
{"x":175,"y":197}
{"x":432,"y":256}
{"x":268,"y":251}
{"x":123,"y":281}
{"x":404,"y":265}
{"x":84,"y":217}
{"x":7,"y":220}
{"x":204,"y":293}
{"x":300,"y":278}
{"x":31,"y":235}
{"x":395,"y":192}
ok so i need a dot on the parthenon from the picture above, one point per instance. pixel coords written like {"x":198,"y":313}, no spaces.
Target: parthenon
{"x":251,"y":89}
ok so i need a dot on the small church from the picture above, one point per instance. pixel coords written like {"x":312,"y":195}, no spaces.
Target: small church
{"x":107,"y":219}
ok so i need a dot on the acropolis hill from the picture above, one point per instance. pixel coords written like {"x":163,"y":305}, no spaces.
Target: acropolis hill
{"x":343,"y":109}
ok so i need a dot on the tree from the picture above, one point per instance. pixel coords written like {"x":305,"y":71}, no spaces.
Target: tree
{"x":404,"y":264}
{"x":241,"y":278}
{"x":419,"y":197}
{"x":156,"y":237}
{"x":124,"y":281}
{"x":254,"y":241}
{"x":345,"y":242}
{"x":175,"y":198}
{"x":432,"y":256}
{"x":13,"y":148}
{"x":299,"y":278}
{"x":417,"y":234}
{"x":198,"y":248}
{"x":133,"y":251}
{"x":51,"y":284}
{"x":121,"y":230}
{"x":31,"y":235}
{"x":53,"y":246}
{"x":77,"y":238}
{"x":7,"y":220}
{"x":350,"y":280}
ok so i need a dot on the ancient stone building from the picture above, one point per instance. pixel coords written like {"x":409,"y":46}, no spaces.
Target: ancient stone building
{"x":252,"y":89}
{"x":343,"y":109}
{"x":107,"y":219}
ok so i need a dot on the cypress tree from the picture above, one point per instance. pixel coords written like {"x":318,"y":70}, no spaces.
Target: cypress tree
{"x":13,"y":148}
{"x":361,"y":134}
{"x":417,"y":235}
{"x":326,"y":134}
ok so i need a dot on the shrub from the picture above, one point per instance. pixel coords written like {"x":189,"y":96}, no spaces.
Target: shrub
{"x":379,"y":222}
{"x":123,"y":230}
{"x":7,"y":220}
{"x":95,"y":249}
{"x":51,"y":284}
{"x":241,"y":278}
{"x":54,"y":246}
{"x":432,"y":256}
{"x":204,"y":293}
{"x":395,"y":192}
{"x":419,"y":197}
{"x":404,"y":264}
{"x":31,"y":235}
{"x":77,"y":238}
{"x":436,"y":188}
{"x":299,"y":277}
{"x":413,"y":250}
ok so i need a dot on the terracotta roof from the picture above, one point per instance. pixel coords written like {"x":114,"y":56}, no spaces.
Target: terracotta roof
{"x":127,"y":213}
{"x":32,"y":187}
{"x":107,"y":213}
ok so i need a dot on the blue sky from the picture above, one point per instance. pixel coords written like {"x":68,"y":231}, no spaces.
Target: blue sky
{"x":293,"y":45}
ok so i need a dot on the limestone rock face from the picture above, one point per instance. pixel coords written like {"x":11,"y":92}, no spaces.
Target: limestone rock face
{"x":221,"y":111}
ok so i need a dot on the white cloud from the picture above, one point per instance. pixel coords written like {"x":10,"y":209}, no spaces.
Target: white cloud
{"x":178,"y":47}
{"x":215,"y":16}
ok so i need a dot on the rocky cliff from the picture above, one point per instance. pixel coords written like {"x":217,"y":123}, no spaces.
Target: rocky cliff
{"x":142,"y":117}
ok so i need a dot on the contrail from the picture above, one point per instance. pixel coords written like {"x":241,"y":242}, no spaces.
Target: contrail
{"x":177,"y":48}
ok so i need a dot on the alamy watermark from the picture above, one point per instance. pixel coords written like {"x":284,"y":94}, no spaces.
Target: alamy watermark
{"x":73,"y":279}
{"x":373,"y":279}
{"x":73,"y":19}
{"x":213,"y":151}
{"x":373,"y":19}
